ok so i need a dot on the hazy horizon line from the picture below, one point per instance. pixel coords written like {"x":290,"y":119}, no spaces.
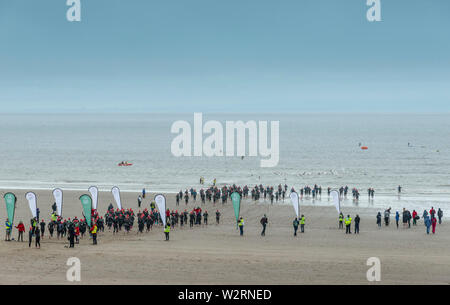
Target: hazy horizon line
{"x":221,"y":113}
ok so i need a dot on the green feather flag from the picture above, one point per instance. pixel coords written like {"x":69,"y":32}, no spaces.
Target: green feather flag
{"x":10,"y":200}
{"x":86,"y":202}
{"x":236,"y":199}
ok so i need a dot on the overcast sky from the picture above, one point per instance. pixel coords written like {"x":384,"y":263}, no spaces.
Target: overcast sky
{"x":225,"y":55}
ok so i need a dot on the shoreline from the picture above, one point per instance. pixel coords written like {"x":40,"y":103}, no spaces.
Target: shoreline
{"x":379,"y":203}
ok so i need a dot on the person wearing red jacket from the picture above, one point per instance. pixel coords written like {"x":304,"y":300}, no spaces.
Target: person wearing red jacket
{"x":432,"y":212}
{"x":167,"y":214}
{"x":433,"y":224}
{"x":21,"y":228}
{"x":414,"y":216}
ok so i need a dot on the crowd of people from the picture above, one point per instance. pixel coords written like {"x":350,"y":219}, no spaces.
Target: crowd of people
{"x":215,"y":194}
{"x":430,"y":218}
{"x":117,"y":220}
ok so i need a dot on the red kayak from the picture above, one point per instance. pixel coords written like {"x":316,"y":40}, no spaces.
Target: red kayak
{"x":125,"y":164}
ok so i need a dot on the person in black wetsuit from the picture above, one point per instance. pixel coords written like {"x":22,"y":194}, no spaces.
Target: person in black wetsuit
{"x":217,"y":217}
{"x":42,"y":224}
{"x":71,"y":237}
{"x":264,"y":222}
{"x":357,"y":221}
{"x":37,"y":237}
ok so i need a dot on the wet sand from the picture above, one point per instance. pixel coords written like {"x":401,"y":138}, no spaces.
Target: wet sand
{"x":216,"y":254}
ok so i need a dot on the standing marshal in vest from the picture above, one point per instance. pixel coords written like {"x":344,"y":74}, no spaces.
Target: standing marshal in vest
{"x":348,"y":223}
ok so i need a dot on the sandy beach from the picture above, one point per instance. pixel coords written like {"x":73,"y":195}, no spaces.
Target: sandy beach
{"x":216,"y":254}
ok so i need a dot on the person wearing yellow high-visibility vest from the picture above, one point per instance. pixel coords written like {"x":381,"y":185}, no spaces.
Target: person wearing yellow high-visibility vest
{"x":33,"y":224}
{"x":302,"y":224}
{"x":8,"y":225}
{"x":94,"y":233}
{"x":341,"y":221}
{"x":241,"y":226}
{"x":167,"y":231}
{"x":348,"y":223}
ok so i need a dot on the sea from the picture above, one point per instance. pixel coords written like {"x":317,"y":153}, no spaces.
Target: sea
{"x":75,"y":151}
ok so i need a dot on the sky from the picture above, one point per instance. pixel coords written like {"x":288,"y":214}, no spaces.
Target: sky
{"x":224,"y":56}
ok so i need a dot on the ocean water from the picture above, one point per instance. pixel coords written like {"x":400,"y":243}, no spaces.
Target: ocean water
{"x":75,"y":151}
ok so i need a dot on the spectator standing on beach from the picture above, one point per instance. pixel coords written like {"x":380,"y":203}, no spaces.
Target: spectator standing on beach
{"x":427,"y":222}
{"x":408,"y":216}
{"x":264,"y":222}
{"x":21,"y":228}
{"x":433,"y":224}
{"x":414,"y":215}
{"x":387,"y":215}
{"x":379,"y":220}
{"x":404,"y":218}
{"x":357,"y":220}
{"x":139,"y":201}
{"x":440,"y":215}
{"x":341,"y":221}
{"x":397,"y":218}
{"x":295,"y":224}
{"x":432,"y":213}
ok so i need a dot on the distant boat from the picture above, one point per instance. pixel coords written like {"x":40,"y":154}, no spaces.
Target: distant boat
{"x":124,"y":164}
{"x":364,"y":148}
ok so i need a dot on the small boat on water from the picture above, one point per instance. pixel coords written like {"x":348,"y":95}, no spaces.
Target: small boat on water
{"x":124,"y":164}
{"x":364,"y":148}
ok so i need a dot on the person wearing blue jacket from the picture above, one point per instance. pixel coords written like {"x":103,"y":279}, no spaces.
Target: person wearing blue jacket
{"x":397,"y":218}
{"x":427,"y":222}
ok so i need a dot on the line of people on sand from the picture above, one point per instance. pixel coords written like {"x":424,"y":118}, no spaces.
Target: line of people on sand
{"x":215,"y":194}
{"x":430,"y":218}
{"x":430,"y":221}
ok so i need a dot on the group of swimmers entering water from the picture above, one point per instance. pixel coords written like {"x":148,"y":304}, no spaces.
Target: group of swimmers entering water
{"x":215,"y":194}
